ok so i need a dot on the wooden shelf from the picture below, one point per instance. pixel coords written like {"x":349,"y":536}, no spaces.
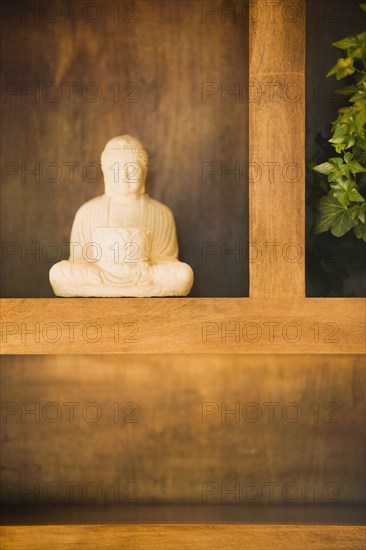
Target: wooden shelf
{"x":177,"y":527}
{"x":277,"y":318}
{"x":184,"y":537}
{"x":183,"y":325}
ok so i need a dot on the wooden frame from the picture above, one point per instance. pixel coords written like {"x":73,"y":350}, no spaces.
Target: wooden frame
{"x":182,"y":325}
{"x":277,"y":318}
{"x":185,"y":537}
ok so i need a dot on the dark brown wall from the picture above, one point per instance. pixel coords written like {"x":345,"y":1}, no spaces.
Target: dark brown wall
{"x":168,"y":49}
{"x":170,"y":453}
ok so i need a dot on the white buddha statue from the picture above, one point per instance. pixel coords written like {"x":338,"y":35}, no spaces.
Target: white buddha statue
{"x":123,"y":243}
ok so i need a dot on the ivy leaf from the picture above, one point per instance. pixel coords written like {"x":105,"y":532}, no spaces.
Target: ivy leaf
{"x":337,"y":140}
{"x":360,"y":95}
{"x":325,"y":168}
{"x":333,"y":70}
{"x":362,"y":38}
{"x":342,"y":225}
{"x":341,"y":187}
{"x":360,"y":120}
{"x":337,"y":161}
{"x":340,"y":148}
{"x":346,"y":43}
{"x":343,"y":68}
{"x":344,"y":207}
{"x":350,"y":143}
{"x":360,"y":232}
{"x":339,"y":133}
{"x":333,"y":216}
{"x":355,"y":211}
{"x":342,"y":198}
{"x":358,"y":211}
{"x":357,"y":50}
{"x":355,"y":196}
{"x":348,"y":90}
{"x":356,"y":167}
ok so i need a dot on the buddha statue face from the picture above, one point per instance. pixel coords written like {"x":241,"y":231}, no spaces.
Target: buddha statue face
{"x":124,"y":165}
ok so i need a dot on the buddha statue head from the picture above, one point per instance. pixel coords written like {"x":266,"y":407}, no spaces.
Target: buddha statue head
{"x":124,"y":164}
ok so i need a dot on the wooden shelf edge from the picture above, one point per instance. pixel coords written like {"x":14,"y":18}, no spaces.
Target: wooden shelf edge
{"x":182,"y":325}
{"x":184,"y":537}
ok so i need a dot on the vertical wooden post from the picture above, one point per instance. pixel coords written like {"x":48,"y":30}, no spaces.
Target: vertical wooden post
{"x":277,"y":148}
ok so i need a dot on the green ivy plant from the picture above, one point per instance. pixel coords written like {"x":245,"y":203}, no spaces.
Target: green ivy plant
{"x":344,"y":206}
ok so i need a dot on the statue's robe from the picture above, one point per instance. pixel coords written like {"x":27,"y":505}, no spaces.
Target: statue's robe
{"x":148,"y":212}
{"x":164,"y":275}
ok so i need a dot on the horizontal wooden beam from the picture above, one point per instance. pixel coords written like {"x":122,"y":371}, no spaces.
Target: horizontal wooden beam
{"x":182,"y":325}
{"x":184,"y":537}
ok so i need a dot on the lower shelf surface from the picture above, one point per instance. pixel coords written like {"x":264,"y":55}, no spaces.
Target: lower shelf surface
{"x":183,"y":537}
{"x":183,"y":527}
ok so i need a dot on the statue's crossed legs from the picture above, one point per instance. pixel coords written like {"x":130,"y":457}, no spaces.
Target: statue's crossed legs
{"x":145,"y":279}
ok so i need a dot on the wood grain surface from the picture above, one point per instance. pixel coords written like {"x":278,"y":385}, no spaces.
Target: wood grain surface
{"x":277,"y":141}
{"x":183,"y":325}
{"x":158,"y":429}
{"x":178,"y":537}
{"x":158,"y":70}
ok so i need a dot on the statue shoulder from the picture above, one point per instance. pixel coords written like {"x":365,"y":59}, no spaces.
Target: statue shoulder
{"x":91,"y":206}
{"x":160,"y":208}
